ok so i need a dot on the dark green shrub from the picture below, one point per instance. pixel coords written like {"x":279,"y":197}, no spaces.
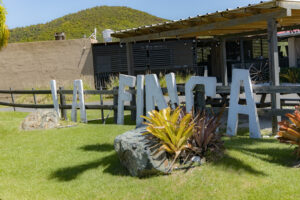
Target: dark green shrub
{"x":290,"y":75}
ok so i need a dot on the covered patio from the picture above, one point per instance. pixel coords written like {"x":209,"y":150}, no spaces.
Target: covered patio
{"x":263,"y":19}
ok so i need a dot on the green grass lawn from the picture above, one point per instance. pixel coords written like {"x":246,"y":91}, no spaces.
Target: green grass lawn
{"x":80,"y":163}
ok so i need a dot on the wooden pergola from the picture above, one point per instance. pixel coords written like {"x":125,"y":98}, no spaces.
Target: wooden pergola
{"x":264,"y":18}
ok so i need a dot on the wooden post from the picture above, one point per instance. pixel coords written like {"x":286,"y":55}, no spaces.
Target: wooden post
{"x":102,"y":111}
{"x":133,"y":103}
{"x":115,"y":103}
{"x":34,"y":97}
{"x":12,"y":98}
{"x":62,"y":103}
{"x":242,"y":54}
{"x":274,"y":70}
{"x":261,"y":48}
{"x":199,"y":98}
{"x":215,"y":62}
{"x":129,"y":55}
{"x":101,"y":103}
{"x":223,"y":59}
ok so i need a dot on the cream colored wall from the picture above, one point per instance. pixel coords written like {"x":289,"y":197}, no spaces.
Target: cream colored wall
{"x":292,"y":52}
{"x":34,"y":64}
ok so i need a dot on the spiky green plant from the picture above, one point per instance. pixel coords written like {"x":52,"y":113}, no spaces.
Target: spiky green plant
{"x":289,"y":132}
{"x":180,"y":79}
{"x":171,"y":129}
{"x":292,"y":76}
{"x":112,"y":82}
{"x":205,"y":141}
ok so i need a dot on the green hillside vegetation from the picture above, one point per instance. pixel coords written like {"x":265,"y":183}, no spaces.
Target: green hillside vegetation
{"x":82,"y":23}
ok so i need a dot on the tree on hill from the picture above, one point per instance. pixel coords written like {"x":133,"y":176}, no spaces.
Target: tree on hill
{"x":82,"y":23}
{"x":4,"y":32}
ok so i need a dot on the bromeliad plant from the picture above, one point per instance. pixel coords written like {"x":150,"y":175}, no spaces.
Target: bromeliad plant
{"x":289,"y":132}
{"x":172,"y":129}
{"x":185,"y":135}
{"x":205,"y":141}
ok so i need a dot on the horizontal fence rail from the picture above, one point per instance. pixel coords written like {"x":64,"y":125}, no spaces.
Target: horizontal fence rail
{"x":216,"y":103}
{"x":180,"y":88}
{"x":104,"y":92}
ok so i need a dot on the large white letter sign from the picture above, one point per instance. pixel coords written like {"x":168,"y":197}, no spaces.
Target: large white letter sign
{"x":124,"y":80}
{"x":239,"y":75}
{"x":210,"y":84}
{"x":139,"y":99}
{"x":154,"y":94}
{"x":78,"y":87}
{"x":172,"y":89}
{"x":54,"y":96}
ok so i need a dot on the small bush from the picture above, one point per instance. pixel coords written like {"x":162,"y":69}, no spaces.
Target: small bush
{"x":172,"y":129}
{"x":205,"y":141}
{"x":112,"y":82}
{"x":180,"y":79}
{"x":289,"y":131}
{"x":185,"y":135}
{"x":290,"y":75}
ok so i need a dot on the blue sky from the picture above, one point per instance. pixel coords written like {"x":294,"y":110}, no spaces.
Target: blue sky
{"x":28,"y":12}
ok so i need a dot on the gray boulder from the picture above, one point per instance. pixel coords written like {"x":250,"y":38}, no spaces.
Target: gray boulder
{"x":137,"y":153}
{"x":41,"y":119}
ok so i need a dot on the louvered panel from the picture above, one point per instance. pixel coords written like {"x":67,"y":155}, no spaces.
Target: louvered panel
{"x":160,"y":58}
{"x":184,"y":54}
{"x":170,"y":55}
{"x":116,"y":54}
{"x":140,"y":58}
{"x":102,"y":59}
{"x":119,"y":60}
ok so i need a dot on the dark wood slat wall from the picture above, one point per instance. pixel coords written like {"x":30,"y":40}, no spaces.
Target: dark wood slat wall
{"x":108,"y":59}
{"x":165,"y":55}
{"x":140,"y":57}
{"x":155,"y":57}
{"x":116,"y":54}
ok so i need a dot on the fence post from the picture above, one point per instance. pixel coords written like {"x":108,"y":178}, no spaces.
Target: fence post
{"x":34,"y":97}
{"x":199,"y":98}
{"x":62,"y":99}
{"x":133,"y":103}
{"x":115,"y":104}
{"x":12,"y":98}
{"x":102,"y":111}
{"x":101,"y":103}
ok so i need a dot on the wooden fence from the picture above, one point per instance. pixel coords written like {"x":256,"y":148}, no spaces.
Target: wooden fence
{"x":263,"y":107}
{"x":62,"y":100}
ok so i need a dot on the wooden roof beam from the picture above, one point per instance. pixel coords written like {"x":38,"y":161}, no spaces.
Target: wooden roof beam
{"x":289,"y":5}
{"x":207,"y":27}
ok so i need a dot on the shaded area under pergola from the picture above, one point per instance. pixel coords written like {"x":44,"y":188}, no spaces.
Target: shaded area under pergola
{"x":264,"y":18}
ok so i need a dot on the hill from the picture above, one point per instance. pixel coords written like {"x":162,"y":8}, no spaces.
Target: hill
{"x":82,"y":23}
